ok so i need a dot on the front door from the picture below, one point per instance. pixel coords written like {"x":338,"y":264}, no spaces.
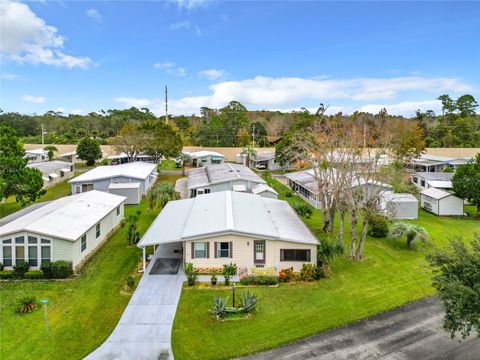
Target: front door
{"x":259,"y":251}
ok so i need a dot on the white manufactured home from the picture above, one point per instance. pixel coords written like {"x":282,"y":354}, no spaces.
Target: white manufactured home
{"x":205,"y":157}
{"x":248,"y":230}
{"x":441,"y":202}
{"x":66,"y":229}
{"x":102,"y":177}
{"x":426,"y":180}
{"x":225,"y":176}
{"x":54,"y":171}
{"x":36,"y":155}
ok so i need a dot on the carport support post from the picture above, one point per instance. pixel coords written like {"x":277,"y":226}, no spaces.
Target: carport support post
{"x":144,"y":258}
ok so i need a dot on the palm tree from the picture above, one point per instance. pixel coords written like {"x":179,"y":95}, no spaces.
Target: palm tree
{"x":184,"y":158}
{"x":411,"y":232}
{"x":161,"y":194}
{"x":249,"y":152}
{"x":51,"y":150}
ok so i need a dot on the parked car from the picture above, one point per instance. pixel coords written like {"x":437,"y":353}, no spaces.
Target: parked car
{"x":178,"y":163}
{"x":261,"y":166}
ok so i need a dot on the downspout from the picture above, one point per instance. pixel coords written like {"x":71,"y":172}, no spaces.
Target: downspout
{"x":144,"y":259}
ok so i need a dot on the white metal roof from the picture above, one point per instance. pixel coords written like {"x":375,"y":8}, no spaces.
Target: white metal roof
{"x":137,"y":170}
{"x":47,"y":167}
{"x":263,"y":156}
{"x":221,"y":173}
{"x":224,"y":213}
{"x":36,"y":152}
{"x":260,"y":188}
{"x":398,"y":197}
{"x":70,"y":153}
{"x":436,"y":193}
{"x":203,"y":153}
{"x":440,"y":184}
{"x":133,"y":185}
{"x":68,"y":217}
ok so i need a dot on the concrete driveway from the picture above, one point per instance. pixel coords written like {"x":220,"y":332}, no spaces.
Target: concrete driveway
{"x":412,"y":332}
{"x":181,"y":187}
{"x":144,"y":331}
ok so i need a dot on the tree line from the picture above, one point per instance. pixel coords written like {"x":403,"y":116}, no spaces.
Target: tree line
{"x":235,"y":125}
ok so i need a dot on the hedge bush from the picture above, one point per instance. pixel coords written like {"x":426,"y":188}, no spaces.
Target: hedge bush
{"x":286,"y":275}
{"x":57,"y":270}
{"x":33,"y":275}
{"x":302,"y":209}
{"x":259,"y":280}
{"x":7,"y":274}
{"x":308,"y":272}
{"x":20,"y":269}
{"x":378,"y":227}
{"x":1,"y":266}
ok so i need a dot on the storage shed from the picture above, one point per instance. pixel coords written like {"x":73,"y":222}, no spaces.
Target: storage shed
{"x":129,"y":190}
{"x":440,"y":202}
{"x":399,"y":206}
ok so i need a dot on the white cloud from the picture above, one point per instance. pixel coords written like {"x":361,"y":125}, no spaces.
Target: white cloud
{"x":34,"y":99}
{"x":76,"y":111}
{"x":11,"y":77}
{"x":180,"y":25}
{"x":60,"y":110}
{"x":171,"y":68}
{"x":212,"y":74}
{"x":26,"y":38}
{"x":406,"y":108}
{"x":192,"y":4}
{"x":94,"y":15}
{"x":131,"y":101}
{"x":291,"y":93}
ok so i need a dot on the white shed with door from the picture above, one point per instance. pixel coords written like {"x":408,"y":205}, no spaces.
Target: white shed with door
{"x":440,"y":202}
{"x":129,"y":190}
{"x":399,"y":206}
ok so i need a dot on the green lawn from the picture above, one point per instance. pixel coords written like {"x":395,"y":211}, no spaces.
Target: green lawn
{"x":168,"y":165}
{"x":10,"y":205}
{"x":83,"y":311}
{"x":389,"y":276}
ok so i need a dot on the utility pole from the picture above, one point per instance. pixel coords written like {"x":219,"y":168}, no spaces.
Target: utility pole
{"x":166,"y":104}
{"x":253,"y":135}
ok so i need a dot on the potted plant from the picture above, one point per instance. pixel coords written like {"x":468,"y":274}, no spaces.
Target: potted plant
{"x":213,"y":279}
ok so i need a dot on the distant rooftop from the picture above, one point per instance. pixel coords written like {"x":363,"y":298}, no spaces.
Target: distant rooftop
{"x":68,"y":217}
{"x":224,"y":213}
{"x":438,"y":176}
{"x":203,"y":153}
{"x":47,"y":167}
{"x":137,"y":170}
{"x":220,"y":173}
{"x":436,"y":193}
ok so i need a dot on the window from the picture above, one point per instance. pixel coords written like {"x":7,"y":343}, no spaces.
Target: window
{"x":200,"y":250}
{"x":19,"y":254}
{"x":415,"y":180}
{"x":7,"y":255}
{"x":204,"y":159}
{"x":20,"y":240}
{"x":83,"y":243}
{"x":32,"y":240}
{"x":45,"y":241}
{"x":294,"y":255}
{"x":422,"y":183}
{"x":223,"y":249}
{"x":33,"y":255}
{"x":87,"y":187}
{"x":118,"y":210}
{"x":46,"y":257}
{"x":206,"y":191}
{"x":97,"y":230}
{"x":78,"y":189}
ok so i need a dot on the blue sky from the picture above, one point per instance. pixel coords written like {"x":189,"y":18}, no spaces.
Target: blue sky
{"x":78,"y":57}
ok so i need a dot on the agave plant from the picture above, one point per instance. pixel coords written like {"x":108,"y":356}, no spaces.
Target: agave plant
{"x":27,"y":304}
{"x":411,"y":232}
{"x":248,"y":302}
{"x":220,"y":307}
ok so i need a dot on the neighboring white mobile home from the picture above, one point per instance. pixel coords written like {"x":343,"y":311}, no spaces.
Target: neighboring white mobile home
{"x":245,"y":229}
{"x":36,"y":155}
{"x":204,"y":158}
{"x":54,"y":171}
{"x":101,"y":177}
{"x":426,"y":180}
{"x":440,"y":202}
{"x":222,"y":177}
{"x":66,"y":229}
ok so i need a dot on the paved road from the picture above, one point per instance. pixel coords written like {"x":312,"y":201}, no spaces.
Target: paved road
{"x":145,"y":328}
{"x":412,"y":332}
{"x":181,"y":187}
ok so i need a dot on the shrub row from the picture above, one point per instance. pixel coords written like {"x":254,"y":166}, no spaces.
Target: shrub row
{"x":259,"y":280}
{"x":54,"y":270}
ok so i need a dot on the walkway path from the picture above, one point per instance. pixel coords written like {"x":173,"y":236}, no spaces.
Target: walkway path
{"x":145,"y":328}
{"x":181,"y":187}
{"x":412,"y":332}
